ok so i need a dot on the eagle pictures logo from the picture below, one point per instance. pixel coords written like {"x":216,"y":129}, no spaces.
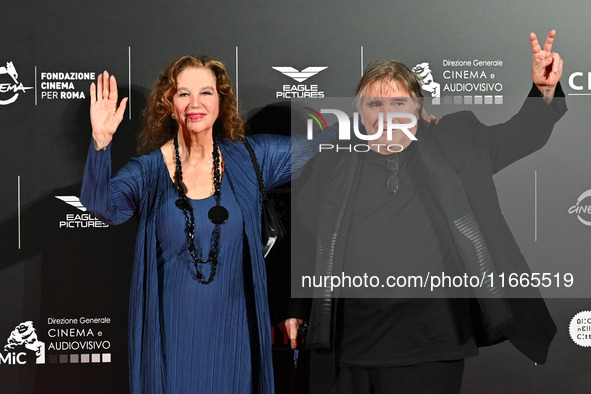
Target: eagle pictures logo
{"x":301,"y":90}
{"x":78,"y":220}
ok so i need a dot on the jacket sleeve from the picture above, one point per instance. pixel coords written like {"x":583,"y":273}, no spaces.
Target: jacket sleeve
{"x":526,"y":132}
{"x":504,"y":143}
{"x":112,"y":200}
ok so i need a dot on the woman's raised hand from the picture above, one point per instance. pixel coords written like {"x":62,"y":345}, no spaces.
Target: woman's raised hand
{"x":105,"y":115}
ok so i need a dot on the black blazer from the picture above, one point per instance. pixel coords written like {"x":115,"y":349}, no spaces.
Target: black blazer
{"x":475,"y":152}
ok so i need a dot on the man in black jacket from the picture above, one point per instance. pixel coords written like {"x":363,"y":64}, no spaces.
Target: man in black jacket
{"x":428,"y":206}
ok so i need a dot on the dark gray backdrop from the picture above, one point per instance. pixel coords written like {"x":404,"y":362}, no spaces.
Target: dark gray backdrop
{"x":51,"y":272}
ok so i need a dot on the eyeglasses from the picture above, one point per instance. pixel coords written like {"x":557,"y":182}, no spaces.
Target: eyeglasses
{"x":392,"y":181}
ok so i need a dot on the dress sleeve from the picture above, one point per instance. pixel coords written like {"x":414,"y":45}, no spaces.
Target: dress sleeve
{"x":282,"y":157}
{"x":112,"y":200}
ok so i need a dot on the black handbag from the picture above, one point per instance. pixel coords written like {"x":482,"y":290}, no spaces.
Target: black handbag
{"x":272,"y":230}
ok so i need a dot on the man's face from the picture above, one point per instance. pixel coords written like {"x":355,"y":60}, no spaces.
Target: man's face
{"x":383,"y":97}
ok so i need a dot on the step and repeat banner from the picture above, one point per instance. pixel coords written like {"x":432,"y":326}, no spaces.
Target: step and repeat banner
{"x":64,"y":274}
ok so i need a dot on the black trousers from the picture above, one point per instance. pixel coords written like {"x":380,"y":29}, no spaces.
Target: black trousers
{"x":439,"y":377}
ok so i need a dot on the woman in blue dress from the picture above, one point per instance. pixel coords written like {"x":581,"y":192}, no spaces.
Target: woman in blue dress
{"x":198,"y":319}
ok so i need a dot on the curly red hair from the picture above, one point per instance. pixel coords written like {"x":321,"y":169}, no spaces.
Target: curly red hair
{"x":159,"y":127}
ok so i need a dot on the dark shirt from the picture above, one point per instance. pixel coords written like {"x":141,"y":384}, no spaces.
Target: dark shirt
{"x":403,"y":234}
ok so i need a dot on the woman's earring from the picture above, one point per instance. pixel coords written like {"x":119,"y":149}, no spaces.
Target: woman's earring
{"x":172,"y":115}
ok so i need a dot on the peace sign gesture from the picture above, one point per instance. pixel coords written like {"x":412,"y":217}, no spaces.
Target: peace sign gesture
{"x":546,"y":67}
{"x":105,"y":116}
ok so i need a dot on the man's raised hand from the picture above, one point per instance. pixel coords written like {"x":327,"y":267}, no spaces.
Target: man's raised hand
{"x":546,"y":67}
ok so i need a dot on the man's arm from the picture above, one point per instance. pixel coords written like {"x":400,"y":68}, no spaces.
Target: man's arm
{"x":530,"y":128}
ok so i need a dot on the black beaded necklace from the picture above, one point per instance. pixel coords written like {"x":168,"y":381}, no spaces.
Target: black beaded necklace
{"x":217,"y":215}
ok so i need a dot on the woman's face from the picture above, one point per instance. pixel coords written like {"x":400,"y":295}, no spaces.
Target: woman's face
{"x":196,"y":101}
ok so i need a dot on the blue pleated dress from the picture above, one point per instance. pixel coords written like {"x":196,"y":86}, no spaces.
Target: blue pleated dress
{"x":206,"y":341}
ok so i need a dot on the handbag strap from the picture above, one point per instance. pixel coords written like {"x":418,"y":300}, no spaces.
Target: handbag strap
{"x":257,"y":168}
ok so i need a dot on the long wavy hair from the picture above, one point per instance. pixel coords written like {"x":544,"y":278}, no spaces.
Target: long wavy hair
{"x":386,"y":71}
{"x":160,"y":127}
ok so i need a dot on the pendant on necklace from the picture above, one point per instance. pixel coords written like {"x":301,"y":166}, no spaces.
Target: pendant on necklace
{"x":218,"y":214}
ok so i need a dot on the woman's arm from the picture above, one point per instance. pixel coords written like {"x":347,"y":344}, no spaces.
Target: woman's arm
{"x":114,"y":200}
{"x":111,"y":200}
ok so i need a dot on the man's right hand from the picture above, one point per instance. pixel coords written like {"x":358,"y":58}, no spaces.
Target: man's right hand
{"x":291,"y":326}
